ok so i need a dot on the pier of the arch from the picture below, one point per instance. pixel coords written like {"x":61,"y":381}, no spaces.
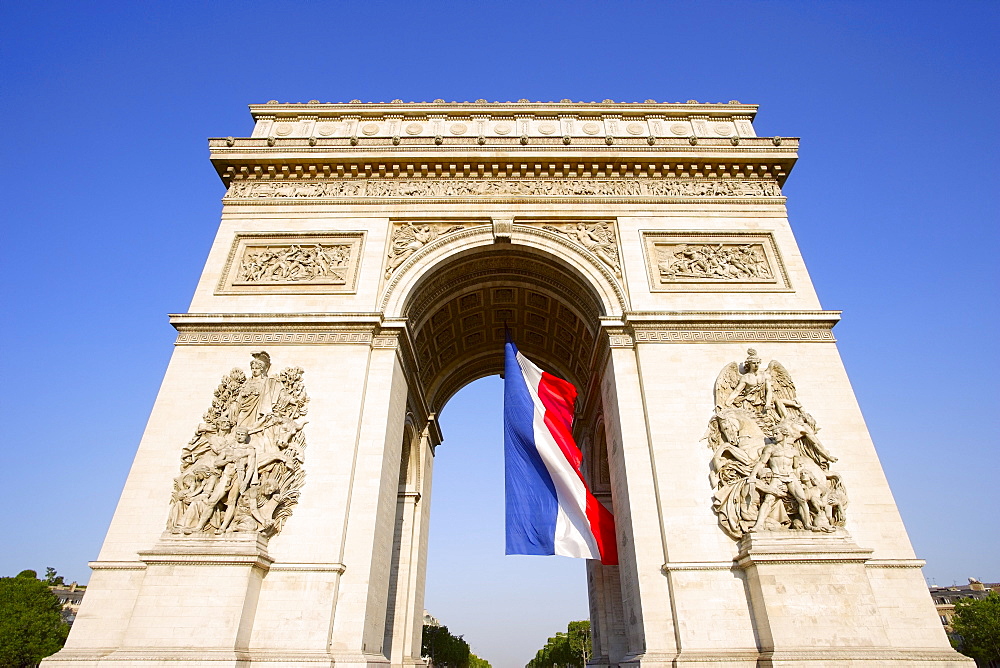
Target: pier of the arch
{"x":369,"y":260}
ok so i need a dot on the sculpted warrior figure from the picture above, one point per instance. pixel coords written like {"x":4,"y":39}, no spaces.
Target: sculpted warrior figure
{"x":718,"y":261}
{"x":296,"y":264}
{"x":769,"y":469}
{"x":242,"y":471}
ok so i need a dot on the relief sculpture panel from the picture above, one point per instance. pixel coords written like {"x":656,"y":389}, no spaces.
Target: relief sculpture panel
{"x":445,"y":188}
{"x":292,"y":263}
{"x":407,"y":238}
{"x":242,"y":470}
{"x":711,"y":262}
{"x":769,"y":469}
{"x":598,"y":238}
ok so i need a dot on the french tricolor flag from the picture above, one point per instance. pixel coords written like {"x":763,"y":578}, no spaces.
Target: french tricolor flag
{"x":549,"y":508}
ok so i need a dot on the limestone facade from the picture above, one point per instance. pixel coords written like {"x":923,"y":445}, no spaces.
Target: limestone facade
{"x":380,"y":249}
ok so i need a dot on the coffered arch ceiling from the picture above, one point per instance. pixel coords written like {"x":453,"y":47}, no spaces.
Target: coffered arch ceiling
{"x":458,"y":312}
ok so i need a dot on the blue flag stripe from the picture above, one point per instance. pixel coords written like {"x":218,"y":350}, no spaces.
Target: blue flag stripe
{"x":532,"y":505}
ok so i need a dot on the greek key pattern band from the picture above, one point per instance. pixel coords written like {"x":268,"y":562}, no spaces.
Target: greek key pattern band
{"x":244,"y":338}
{"x":731,"y":336}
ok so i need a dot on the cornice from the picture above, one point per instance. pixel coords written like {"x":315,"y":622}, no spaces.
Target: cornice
{"x":633,"y":319}
{"x":462,"y":157}
{"x":194,"y":321}
{"x":464,"y":108}
{"x":325,"y":148}
{"x":641,"y":327}
{"x":650,"y":319}
{"x":895,"y":563}
{"x":277,"y":328}
{"x":445,"y":136}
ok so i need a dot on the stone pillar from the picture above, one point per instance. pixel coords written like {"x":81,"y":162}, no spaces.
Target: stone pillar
{"x":606,"y":623}
{"x":403,"y":633}
{"x":413,"y":630}
{"x":358,"y":632}
{"x":648,"y":618}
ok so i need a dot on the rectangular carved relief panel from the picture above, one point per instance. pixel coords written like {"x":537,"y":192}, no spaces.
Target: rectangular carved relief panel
{"x":305,"y":263}
{"x":713,"y":262}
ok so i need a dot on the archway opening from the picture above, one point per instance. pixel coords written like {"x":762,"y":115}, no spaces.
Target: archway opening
{"x":458,"y":314}
{"x":505,"y":606}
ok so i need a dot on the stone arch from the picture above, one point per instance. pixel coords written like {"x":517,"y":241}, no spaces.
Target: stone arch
{"x":589,"y":268}
{"x":460,"y":292}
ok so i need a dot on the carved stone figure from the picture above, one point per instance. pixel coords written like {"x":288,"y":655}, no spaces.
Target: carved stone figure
{"x":242,"y":470}
{"x":408,"y":238}
{"x":296,"y":264}
{"x":724,"y":262}
{"x":598,"y":238}
{"x":769,"y":470}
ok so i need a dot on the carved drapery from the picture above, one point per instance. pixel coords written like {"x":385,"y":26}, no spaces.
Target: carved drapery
{"x":242,"y":470}
{"x":769,"y":470}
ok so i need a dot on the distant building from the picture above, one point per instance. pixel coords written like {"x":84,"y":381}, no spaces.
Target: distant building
{"x":70,"y":597}
{"x":430,"y":620}
{"x":945,"y":597}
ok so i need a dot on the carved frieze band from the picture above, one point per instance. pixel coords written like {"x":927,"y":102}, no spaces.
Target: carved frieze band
{"x":445,"y":188}
{"x":245,"y":338}
{"x":309,"y":263}
{"x":713,"y":262}
{"x":734,"y":335}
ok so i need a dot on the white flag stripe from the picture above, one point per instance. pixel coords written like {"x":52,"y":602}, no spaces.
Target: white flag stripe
{"x":574,"y":536}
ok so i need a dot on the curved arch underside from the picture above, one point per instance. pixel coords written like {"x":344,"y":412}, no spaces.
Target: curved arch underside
{"x":457,"y":315}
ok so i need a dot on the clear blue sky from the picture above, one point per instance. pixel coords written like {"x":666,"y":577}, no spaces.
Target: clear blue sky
{"x":110,"y":205}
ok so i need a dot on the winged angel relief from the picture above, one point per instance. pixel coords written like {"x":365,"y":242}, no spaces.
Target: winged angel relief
{"x":408,"y":238}
{"x":769,"y":469}
{"x":242,"y":471}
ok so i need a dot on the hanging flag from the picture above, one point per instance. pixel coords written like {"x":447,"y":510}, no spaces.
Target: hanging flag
{"x":549,"y":508}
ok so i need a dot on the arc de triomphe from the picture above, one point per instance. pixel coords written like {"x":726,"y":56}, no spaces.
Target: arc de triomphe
{"x":368,"y":257}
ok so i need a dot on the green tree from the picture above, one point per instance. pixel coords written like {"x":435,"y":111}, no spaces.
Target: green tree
{"x":977,"y":625}
{"x":52,"y":579}
{"x":579,"y":640}
{"x":567,"y":650}
{"x":31,"y":626}
{"x":476,"y":662}
{"x":444,"y":649}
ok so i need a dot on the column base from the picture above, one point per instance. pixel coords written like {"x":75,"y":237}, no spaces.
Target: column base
{"x":800,"y":658}
{"x":189,"y":658}
{"x":840,"y":658}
